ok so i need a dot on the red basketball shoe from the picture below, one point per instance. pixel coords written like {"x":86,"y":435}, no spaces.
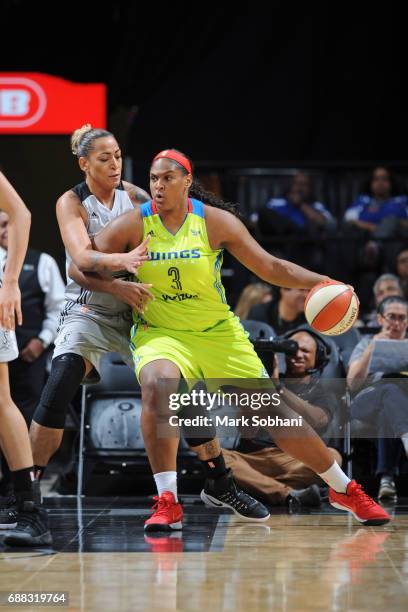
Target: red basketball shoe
{"x":166,"y":543}
{"x":168,"y":514}
{"x":359,"y":550}
{"x":354,"y":500}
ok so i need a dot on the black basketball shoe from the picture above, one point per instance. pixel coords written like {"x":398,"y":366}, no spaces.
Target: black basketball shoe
{"x":32,"y":527}
{"x":8,"y":512}
{"x":304,"y":498}
{"x":37,"y":492}
{"x":223,"y":492}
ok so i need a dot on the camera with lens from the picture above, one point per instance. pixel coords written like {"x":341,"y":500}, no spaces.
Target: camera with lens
{"x":267,"y":347}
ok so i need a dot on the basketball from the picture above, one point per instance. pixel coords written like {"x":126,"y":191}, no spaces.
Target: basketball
{"x":331,"y":308}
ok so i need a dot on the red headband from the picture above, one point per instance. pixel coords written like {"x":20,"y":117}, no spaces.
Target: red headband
{"x":175,"y":156}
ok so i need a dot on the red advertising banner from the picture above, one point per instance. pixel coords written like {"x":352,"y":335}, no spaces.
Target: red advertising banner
{"x":35,"y":103}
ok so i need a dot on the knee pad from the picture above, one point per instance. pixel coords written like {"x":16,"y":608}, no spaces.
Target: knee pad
{"x":67,"y":372}
{"x":198,"y":434}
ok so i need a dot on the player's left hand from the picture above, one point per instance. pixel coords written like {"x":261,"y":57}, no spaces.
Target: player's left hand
{"x":10,"y":305}
{"x":32,"y":350}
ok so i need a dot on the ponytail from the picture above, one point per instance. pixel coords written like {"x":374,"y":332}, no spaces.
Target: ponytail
{"x":198,"y":191}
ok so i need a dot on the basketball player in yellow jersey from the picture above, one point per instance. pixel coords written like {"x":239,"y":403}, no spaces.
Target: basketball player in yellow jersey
{"x":188,"y":330}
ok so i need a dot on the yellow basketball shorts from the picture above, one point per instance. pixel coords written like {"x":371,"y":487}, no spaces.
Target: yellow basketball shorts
{"x":223,"y":351}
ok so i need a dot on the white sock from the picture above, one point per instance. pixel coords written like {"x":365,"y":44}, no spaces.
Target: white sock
{"x":336,"y":478}
{"x":404,"y":440}
{"x":166,"y":481}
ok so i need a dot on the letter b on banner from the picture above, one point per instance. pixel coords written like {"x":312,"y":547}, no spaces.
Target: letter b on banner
{"x":14,"y":102}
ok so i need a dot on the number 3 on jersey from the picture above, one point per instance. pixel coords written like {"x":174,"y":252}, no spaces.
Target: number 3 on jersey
{"x":175,"y":274}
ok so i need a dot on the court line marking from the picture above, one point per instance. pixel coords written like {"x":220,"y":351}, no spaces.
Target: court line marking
{"x":55,"y":554}
{"x":218,"y":539}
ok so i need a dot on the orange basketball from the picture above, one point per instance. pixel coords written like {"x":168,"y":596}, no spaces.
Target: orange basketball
{"x":331,"y":308}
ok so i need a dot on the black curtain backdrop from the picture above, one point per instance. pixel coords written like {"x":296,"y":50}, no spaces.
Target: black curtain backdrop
{"x":248,"y":82}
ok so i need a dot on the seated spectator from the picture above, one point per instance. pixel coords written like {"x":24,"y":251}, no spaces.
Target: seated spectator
{"x":299,"y":215}
{"x":378,"y":213}
{"x":265,"y":470}
{"x":382,"y":403}
{"x":378,"y":203}
{"x":251,"y":295}
{"x":299,"y":210}
{"x":401,"y":268}
{"x":283,"y":314}
{"x":385,"y":286}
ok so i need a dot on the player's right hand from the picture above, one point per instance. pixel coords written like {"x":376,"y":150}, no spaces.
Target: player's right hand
{"x":10,"y":306}
{"x":137,"y":295}
{"x":135,"y":258}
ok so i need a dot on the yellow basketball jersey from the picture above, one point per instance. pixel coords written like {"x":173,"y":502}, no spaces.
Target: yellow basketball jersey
{"x":185,"y":272}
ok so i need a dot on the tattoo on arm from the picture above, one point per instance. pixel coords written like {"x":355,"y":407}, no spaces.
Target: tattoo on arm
{"x":95,"y":259}
{"x":73,"y":196}
{"x":138,"y":195}
{"x":96,"y":265}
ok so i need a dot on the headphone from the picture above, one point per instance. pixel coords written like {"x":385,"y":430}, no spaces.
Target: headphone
{"x":323,"y":348}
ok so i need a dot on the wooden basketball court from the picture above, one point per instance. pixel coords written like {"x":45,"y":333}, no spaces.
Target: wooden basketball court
{"x":321,"y":560}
